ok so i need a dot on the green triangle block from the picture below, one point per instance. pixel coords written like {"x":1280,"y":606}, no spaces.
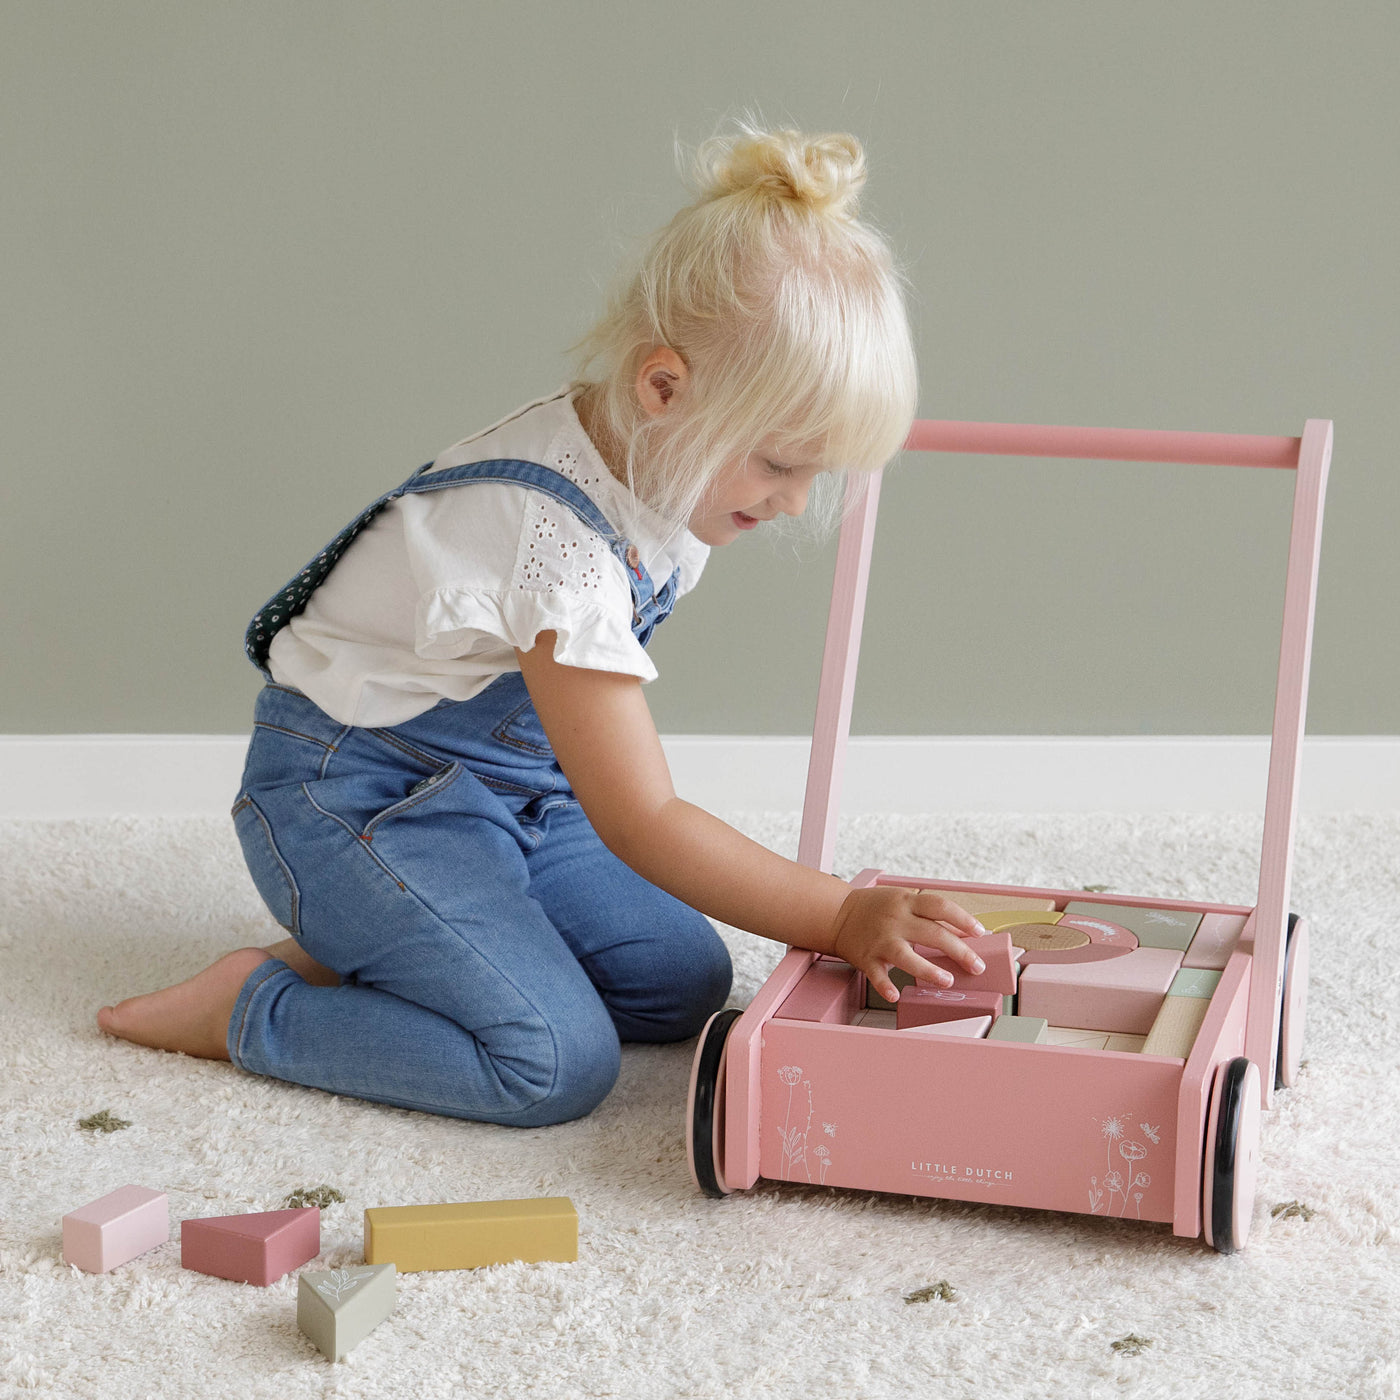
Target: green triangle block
{"x":339,"y":1308}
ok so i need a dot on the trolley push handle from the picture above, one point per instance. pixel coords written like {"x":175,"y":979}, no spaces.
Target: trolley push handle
{"x":1309,"y":456}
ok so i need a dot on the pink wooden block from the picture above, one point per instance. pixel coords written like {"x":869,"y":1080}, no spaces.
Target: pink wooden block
{"x":1215,"y":940}
{"x":922,"y":1006}
{"x":995,"y":950}
{"x":971,"y":1026}
{"x":115,"y":1228}
{"x":829,"y":991}
{"x":1122,"y":995}
{"x":257,"y":1248}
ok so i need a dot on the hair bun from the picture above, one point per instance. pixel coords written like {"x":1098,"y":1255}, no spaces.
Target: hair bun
{"x":824,"y":173}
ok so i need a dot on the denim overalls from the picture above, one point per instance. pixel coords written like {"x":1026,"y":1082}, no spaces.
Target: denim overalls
{"x":492,"y":951}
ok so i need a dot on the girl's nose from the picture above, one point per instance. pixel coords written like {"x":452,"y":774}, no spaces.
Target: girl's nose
{"x":791,"y":498}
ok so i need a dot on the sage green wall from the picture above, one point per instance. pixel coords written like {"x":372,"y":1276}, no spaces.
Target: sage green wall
{"x":260,"y":260}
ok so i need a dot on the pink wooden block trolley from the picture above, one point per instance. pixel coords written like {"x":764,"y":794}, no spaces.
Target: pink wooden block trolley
{"x":822,"y":1089}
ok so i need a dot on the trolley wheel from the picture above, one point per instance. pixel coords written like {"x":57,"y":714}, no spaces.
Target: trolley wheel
{"x":1293,"y":1003}
{"x":1232,"y":1155}
{"x":704,"y":1111}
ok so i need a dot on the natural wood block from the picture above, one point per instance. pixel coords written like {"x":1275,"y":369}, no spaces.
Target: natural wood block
{"x":1028,"y":1030}
{"x":827,"y":991}
{"x":1078,"y":1039}
{"x":1217,"y":937}
{"x":978,"y":903}
{"x":882,"y":1020}
{"x":115,"y":1228}
{"x":471,"y":1234}
{"x":256,"y":1248}
{"x":1155,"y":928}
{"x":972,"y":1027}
{"x":339,"y":1308}
{"x":1174,"y":1030}
{"x":1122,"y":995}
{"x":1126,"y":1044}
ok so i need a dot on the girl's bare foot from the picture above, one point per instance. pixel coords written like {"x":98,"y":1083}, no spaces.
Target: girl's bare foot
{"x":191,"y":1016}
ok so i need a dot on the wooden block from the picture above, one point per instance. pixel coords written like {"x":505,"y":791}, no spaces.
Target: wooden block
{"x":994,"y":949}
{"x":1122,"y":995}
{"x":1029,"y":1030}
{"x":1155,"y":928}
{"x":1194,"y":982}
{"x":1072,"y":940}
{"x":978,"y":903}
{"x":875,"y":1002}
{"x":881,"y":1020}
{"x":256,"y":1248}
{"x":922,"y":1006}
{"x":1078,"y":1039}
{"x":995,"y":952}
{"x":1126,"y":1044}
{"x":115,"y":1228}
{"x":339,"y":1308}
{"x":1215,"y":940}
{"x":973,"y":1027}
{"x":471,"y":1234}
{"x":827,"y":991}
{"x":1174,"y":1030}
{"x":994,"y":920}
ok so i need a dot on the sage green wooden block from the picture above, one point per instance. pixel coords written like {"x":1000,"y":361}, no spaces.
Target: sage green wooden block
{"x":1028,"y":1030}
{"x":339,"y":1308}
{"x":1194,"y":982}
{"x":1155,"y":928}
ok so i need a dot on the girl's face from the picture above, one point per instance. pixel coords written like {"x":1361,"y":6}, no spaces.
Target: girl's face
{"x":746,"y":492}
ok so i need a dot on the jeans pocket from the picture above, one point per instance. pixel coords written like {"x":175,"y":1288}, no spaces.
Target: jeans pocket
{"x":270,"y":874}
{"x":418,"y":795}
{"x":521,"y":729}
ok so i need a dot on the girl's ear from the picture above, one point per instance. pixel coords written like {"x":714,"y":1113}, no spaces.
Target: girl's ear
{"x":661,"y":378}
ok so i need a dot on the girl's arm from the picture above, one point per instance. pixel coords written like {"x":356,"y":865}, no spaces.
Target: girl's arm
{"x":602,"y":733}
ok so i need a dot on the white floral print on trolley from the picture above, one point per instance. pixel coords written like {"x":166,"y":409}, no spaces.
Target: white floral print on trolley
{"x":794,"y":1134}
{"x":1115,"y":1183}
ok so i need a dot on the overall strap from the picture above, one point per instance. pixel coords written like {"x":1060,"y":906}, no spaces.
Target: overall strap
{"x":291,"y":599}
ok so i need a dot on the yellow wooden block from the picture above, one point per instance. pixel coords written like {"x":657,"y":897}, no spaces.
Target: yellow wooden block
{"x":472,"y":1234}
{"x":994,"y":920}
{"x":1174,"y":1030}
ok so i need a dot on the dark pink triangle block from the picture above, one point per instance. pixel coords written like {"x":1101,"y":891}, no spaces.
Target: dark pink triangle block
{"x":257,"y":1248}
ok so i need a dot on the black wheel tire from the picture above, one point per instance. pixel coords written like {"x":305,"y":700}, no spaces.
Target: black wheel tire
{"x":700,"y":1127}
{"x":1293,"y":1003}
{"x":1230,"y":1161}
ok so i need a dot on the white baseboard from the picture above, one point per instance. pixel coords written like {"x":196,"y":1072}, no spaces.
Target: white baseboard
{"x":101,"y":775}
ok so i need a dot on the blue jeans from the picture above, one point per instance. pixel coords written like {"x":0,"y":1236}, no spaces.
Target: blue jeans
{"x":493,"y":953}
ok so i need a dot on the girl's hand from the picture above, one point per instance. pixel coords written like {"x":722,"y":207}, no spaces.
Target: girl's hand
{"x":876,"y":929}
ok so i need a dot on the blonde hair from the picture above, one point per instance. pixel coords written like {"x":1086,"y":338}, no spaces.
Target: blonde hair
{"x":787,"y":310}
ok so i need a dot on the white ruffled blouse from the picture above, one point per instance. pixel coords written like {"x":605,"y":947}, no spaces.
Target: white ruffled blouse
{"x":432,"y":598}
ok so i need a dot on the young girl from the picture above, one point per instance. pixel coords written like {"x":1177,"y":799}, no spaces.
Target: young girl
{"x":455,"y":800}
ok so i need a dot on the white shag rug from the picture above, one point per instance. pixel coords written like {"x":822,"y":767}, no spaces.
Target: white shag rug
{"x":779,"y":1291}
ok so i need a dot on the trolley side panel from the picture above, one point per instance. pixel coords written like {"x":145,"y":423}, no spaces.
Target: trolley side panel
{"x":742,"y":1089}
{"x":1220,"y":1038}
{"x":1027,"y":1125}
